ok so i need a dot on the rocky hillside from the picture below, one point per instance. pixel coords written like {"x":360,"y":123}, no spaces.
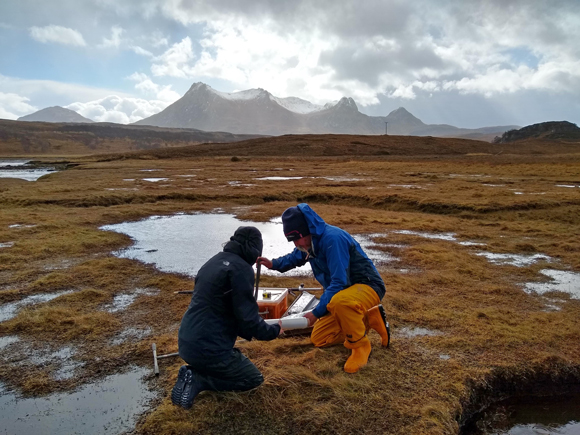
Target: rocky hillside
{"x":554,"y":130}
{"x":23,"y":138}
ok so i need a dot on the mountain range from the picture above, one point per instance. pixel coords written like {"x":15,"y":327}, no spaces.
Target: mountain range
{"x":258,"y":112}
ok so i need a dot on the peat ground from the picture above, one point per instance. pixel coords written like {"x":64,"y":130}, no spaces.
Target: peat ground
{"x":435,"y":205}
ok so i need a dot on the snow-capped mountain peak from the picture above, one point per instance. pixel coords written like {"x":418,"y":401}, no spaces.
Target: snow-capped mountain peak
{"x":297,"y":105}
{"x":249,"y":94}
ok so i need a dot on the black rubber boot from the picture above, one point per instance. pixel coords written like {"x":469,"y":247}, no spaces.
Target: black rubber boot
{"x":177,"y":391}
{"x":191,"y":389}
{"x":377,"y":318}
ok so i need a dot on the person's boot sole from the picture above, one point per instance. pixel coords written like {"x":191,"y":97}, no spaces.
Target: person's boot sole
{"x":384,"y":316}
{"x":177,"y":391}
{"x":187,"y":396}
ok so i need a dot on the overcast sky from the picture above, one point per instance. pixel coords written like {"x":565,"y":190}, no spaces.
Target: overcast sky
{"x":468,"y":63}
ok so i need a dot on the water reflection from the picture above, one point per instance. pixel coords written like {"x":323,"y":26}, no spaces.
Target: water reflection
{"x":109,"y":406}
{"x":122,"y":301}
{"x":518,"y":260}
{"x":183,"y":243}
{"x":412,"y":332}
{"x":372,"y":249}
{"x":8,"y":340}
{"x":450,"y":237}
{"x":279,"y":178}
{"x":8,"y":311}
{"x":562,"y":281}
{"x":130,"y":335}
{"x":13,"y":162}
{"x":530,"y":416}
{"x":155,"y":180}
{"x":10,"y":168}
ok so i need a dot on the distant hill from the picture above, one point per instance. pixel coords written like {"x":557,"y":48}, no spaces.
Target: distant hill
{"x":553,"y":130}
{"x":36,"y":138}
{"x":337,"y":145}
{"x":256,"y":111}
{"x":55,"y":114}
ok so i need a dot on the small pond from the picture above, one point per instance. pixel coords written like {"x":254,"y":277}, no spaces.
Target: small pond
{"x":111,"y":405}
{"x":17,"y":168}
{"x":529,"y":416}
{"x":182,"y":243}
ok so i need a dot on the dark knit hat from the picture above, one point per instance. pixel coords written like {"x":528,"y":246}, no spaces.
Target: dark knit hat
{"x":294,"y":223}
{"x":247,"y":243}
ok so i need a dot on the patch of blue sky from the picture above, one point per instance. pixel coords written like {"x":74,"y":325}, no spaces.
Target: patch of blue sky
{"x":34,"y":61}
{"x":522,"y":56}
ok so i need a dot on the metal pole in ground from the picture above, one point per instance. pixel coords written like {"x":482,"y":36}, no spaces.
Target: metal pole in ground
{"x":156,"y":358}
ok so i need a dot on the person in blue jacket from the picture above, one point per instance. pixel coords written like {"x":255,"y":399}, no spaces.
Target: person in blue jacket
{"x":221,"y":309}
{"x":353,"y":288}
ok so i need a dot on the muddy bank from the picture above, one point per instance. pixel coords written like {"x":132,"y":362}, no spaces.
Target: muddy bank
{"x":549,"y":382}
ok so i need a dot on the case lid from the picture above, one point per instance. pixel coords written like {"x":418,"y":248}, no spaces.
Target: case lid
{"x":276,"y":295}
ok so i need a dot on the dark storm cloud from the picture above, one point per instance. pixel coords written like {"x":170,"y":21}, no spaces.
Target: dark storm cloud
{"x":367,"y":64}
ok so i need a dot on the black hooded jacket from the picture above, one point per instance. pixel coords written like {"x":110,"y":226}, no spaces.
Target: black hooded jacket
{"x":223,"y":306}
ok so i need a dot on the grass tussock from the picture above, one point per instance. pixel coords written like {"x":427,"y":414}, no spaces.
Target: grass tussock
{"x":58,"y":323}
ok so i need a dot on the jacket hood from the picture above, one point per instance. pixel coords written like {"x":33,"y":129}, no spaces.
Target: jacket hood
{"x":316,"y":224}
{"x":247,"y":243}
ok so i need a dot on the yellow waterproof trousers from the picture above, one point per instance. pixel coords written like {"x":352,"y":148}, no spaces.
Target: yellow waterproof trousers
{"x":346,"y":322}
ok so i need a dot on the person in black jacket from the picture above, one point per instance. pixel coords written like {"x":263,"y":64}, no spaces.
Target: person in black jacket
{"x":222,"y":308}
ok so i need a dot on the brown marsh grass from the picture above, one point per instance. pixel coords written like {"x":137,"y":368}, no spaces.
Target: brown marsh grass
{"x":489,"y":336}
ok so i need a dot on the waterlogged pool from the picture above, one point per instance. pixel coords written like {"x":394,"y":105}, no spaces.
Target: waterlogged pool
{"x":17,"y":169}
{"x":182,"y":243}
{"x":530,"y":416}
{"x":108,"y":406}
{"x":561,"y":281}
{"x":10,"y":310}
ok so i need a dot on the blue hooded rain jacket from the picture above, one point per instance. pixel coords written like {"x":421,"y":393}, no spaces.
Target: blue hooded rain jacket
{"x":337,"y":260}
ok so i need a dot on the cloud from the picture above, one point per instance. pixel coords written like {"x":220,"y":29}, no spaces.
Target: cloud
{"x":115,"y":39}
{"x":57,"y":34}
{"x":121,"y":110}
{"x":158,"y":39}
{"x":380,"y":47}
{"x":141,"y":51}
{"x":176,"y":61}
{"x":148,"y":87}
{"x":46,"y":93}
{"x":13,"y":106}
{"x":376,"y":51}
{"x":101,"y":105}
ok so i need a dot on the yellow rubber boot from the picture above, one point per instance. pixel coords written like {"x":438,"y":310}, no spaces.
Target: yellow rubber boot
{"x":377,"y":320}
{"x":358,"y":358}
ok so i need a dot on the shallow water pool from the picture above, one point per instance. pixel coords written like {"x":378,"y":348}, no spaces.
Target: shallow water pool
{"x":108,"y":406}
{"x":530,"y":416}
{"x":16,"y":168}
{"x":182,"y":243}
{"x":561,"y":281}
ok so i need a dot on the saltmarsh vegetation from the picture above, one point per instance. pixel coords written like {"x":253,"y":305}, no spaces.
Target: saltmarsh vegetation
{"x":488,"y":337}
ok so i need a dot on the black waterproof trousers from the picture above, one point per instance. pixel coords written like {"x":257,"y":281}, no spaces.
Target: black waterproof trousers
{"x":235,"y":373}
